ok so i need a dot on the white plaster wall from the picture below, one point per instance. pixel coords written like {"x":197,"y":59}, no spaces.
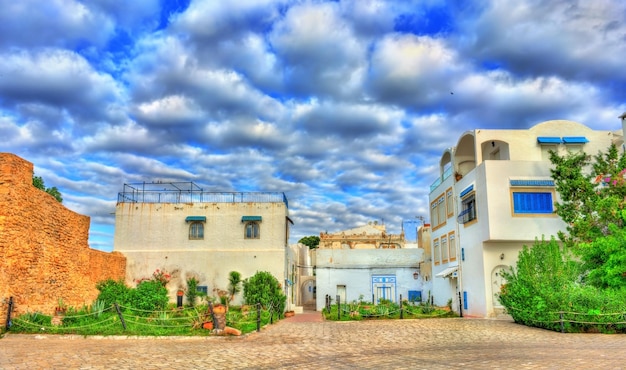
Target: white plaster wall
{"x":502,"y":224}
{"x":155,"y":236}
{"x":496,"y":225}
{"x":354,"y":269}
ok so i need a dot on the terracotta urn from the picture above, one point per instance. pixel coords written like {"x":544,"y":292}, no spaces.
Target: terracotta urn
{"x":219,"y":309}
{"x":207,"y":325}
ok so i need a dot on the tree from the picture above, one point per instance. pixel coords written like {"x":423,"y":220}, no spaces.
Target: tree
{"x":39,"y":184}
{"x":234,"y":284}
{"x":592,"y":205}
{"x":311,"y":241}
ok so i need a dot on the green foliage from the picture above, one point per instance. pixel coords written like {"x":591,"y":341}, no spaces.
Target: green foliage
{"x":192,"y":291}
{"x":311,"y":241}
{"x":150,"y":295}
{"x":39,"y":184}
{"x":234,"y":284}
{"x":170,"y":322}
{"x":263,"y":288}
{"x":540,"y":283}
{"x":593,"y":208}
{"x":112,"y":291}
{"x":605,"y":259}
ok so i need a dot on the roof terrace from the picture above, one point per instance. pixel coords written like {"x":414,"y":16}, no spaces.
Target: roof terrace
{"x":189,"y":192}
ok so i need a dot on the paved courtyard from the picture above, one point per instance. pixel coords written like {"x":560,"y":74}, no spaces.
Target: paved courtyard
{"x":302,"y":344}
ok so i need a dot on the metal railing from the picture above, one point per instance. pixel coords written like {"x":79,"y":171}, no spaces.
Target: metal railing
{"x":191,"y":193}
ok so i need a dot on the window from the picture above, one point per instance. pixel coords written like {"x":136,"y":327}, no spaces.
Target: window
{"x":452,"y":246}
{"x":196,"y":230}
{"x":434,"y":216}
{"x":438,"y":211}
{"x":202,"y":289}
{"x":450,"y":203}
{"x":532,"y":202}
{"x":444,"y":249}
{"x":468,"y":204}
{"x":252,"y":230}
{"x":436,"y":254}
{"x":441,"y":209}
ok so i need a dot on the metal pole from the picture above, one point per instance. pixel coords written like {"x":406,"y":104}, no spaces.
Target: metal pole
{"x":401,"y":311}
{"x":9,"y":310}
{"x":460,"y":305}
{"x":258,"y":317}
{"x":338,"y":307}
{"x":119,"y":313}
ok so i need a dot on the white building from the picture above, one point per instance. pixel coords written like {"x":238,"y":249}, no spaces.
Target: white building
{"x":178,"y":228}
{"x":366,"y":263}
{"x":494,"y":194}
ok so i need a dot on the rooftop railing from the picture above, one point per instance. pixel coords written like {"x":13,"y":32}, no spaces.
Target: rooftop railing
{"x":189,"y":192}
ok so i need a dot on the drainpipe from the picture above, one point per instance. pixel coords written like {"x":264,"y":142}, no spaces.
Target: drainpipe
{"x":623,"y":118}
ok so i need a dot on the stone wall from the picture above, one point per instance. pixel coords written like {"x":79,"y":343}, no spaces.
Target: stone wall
{"x":44,"y":251}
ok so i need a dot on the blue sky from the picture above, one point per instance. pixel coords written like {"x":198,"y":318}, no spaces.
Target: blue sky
{"x":346,"y":106}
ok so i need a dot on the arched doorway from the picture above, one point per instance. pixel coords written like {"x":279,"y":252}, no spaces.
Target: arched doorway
{"x":497,"y":282}
{"x":308,"y":293}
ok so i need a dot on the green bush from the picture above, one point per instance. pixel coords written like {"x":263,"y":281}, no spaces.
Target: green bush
{"x":265,"y":289}
{"x":150,"y":295}
{"x":112,"y":291}
{"x":544,"y":291}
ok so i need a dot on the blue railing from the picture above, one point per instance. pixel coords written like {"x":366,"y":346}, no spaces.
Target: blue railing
{"x":447,"y":173}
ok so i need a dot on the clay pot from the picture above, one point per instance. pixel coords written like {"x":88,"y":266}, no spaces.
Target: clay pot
{"x":207,"y":325}
{"x":289,"y":314}
{"x":219,"y":309}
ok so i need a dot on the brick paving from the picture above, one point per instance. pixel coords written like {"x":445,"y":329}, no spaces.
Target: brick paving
{"x":306,"y":342}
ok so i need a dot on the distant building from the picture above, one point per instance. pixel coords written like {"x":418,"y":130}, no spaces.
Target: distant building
{"x":179,"y":228}
{"x":366,"y":262}
{"x":494,"y":194}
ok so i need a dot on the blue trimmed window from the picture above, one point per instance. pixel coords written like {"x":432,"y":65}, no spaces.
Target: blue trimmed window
{"x":468,"y":204}
{"x":532,"y":202}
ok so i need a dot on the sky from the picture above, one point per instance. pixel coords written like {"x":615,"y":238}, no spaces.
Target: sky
{"x":345,"y":106}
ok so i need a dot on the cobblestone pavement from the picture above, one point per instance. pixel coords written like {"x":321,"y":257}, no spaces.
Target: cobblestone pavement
{"x":294,"y":344}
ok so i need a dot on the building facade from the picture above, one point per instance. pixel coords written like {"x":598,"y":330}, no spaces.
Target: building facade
{"x":366,"y":263}
{"x":180,"y":229}
{"x":494,"y":194}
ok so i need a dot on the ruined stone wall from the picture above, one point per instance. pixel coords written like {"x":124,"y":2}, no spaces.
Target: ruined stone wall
{"x":44,"y":251}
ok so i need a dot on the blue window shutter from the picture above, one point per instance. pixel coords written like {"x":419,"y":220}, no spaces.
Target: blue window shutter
{"x":532,"y":202}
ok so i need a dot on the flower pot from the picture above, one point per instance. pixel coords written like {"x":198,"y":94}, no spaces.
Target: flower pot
{"x":207,"y":325}
{"x":289,"y":314}
{"x":219,"y":309}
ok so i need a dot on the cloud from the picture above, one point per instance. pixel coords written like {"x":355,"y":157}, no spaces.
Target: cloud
{"x":57,"y":23}
{"x":60,"y":80}
{"x":575,"y":40}
{"x":344,"y":106}
{"x":320,"y":53}
{"x":414,"y":71}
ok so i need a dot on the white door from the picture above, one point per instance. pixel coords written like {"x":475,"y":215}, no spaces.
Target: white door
{"x":497,"y":282}
{"x":341,"y":292}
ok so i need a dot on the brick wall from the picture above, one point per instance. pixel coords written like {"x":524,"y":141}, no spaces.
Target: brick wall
{"x":44,"y":250}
